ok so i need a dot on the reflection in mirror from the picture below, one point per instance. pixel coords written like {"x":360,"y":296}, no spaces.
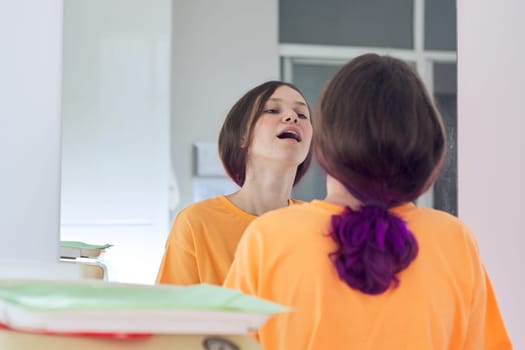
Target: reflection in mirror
{"x":132,"y":68}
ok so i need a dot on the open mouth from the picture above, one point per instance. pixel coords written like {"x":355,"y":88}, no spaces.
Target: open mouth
{"x":289,"y":134}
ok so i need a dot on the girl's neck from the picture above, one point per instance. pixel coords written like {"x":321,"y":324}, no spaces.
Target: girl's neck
{"x":337,"y":193}
{"x":264,"y":189}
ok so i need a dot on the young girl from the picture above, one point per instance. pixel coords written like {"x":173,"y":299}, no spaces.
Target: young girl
{"x":366,"y":268}
{"x":264,"y":145}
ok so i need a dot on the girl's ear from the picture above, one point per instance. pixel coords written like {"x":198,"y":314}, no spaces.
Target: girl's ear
{"x":244,"y":142}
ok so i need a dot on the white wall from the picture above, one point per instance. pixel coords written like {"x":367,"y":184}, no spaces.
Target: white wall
{"x":115,"y":145}
{"x":220,"y":50}
{"x":30,"y":93}
{"x":491,"y":146}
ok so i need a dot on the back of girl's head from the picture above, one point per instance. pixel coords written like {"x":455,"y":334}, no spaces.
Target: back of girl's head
{"x":379,"y":134}
{"x":237,"y":131}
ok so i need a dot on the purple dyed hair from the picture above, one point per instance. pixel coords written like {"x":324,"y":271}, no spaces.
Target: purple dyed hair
{"x":374,"y":245}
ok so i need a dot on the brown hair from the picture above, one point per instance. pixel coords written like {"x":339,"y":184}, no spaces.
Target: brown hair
{"x":236,"y":132}
{"x":379,"y":132}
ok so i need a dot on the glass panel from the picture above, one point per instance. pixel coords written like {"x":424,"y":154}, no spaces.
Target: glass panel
{"x":310,"y":79}
{"x":440,"y":25}
{"x":379,"y":23}
{"x":445,"y":94}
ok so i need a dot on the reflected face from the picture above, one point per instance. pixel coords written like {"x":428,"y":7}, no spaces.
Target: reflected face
{"x":283,"y":132}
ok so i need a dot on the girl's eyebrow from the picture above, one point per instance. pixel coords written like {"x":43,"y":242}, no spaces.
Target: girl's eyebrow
{"x":276,"y":99}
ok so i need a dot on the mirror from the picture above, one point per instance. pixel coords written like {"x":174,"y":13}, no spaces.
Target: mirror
{"x":146,"y":80}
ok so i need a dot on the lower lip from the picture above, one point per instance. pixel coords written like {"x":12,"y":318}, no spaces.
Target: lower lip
{"x":289,"y":139}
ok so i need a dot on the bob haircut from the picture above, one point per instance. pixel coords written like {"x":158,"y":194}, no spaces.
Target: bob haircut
{"x":378,"y":131}
{"x":237,"y":131}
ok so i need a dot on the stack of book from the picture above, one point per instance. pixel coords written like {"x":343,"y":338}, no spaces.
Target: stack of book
{"x":102,"y":315}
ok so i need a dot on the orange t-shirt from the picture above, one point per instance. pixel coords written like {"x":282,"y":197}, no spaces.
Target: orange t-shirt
{"x":443,"y":301}
{"x":202,"y":242}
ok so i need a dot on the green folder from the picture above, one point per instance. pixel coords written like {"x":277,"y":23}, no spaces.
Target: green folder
{"x":77,"y":249}
{"x":96,"y":306}
{"x":82,"y":245}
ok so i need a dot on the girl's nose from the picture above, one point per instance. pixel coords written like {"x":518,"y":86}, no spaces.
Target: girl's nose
{"x":290,"y":118}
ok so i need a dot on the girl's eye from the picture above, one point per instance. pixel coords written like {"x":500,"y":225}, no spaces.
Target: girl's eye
{"x":302,"y":116}
{"x":271,"y":111}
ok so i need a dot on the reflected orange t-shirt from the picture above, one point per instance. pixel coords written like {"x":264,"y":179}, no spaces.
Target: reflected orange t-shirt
{"x":202,"y":242}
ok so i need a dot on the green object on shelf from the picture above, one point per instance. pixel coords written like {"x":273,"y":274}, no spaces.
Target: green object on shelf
{"x":82,"y":245}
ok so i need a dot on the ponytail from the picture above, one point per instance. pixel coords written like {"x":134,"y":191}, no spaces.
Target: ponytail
{"x":373,"y":246}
